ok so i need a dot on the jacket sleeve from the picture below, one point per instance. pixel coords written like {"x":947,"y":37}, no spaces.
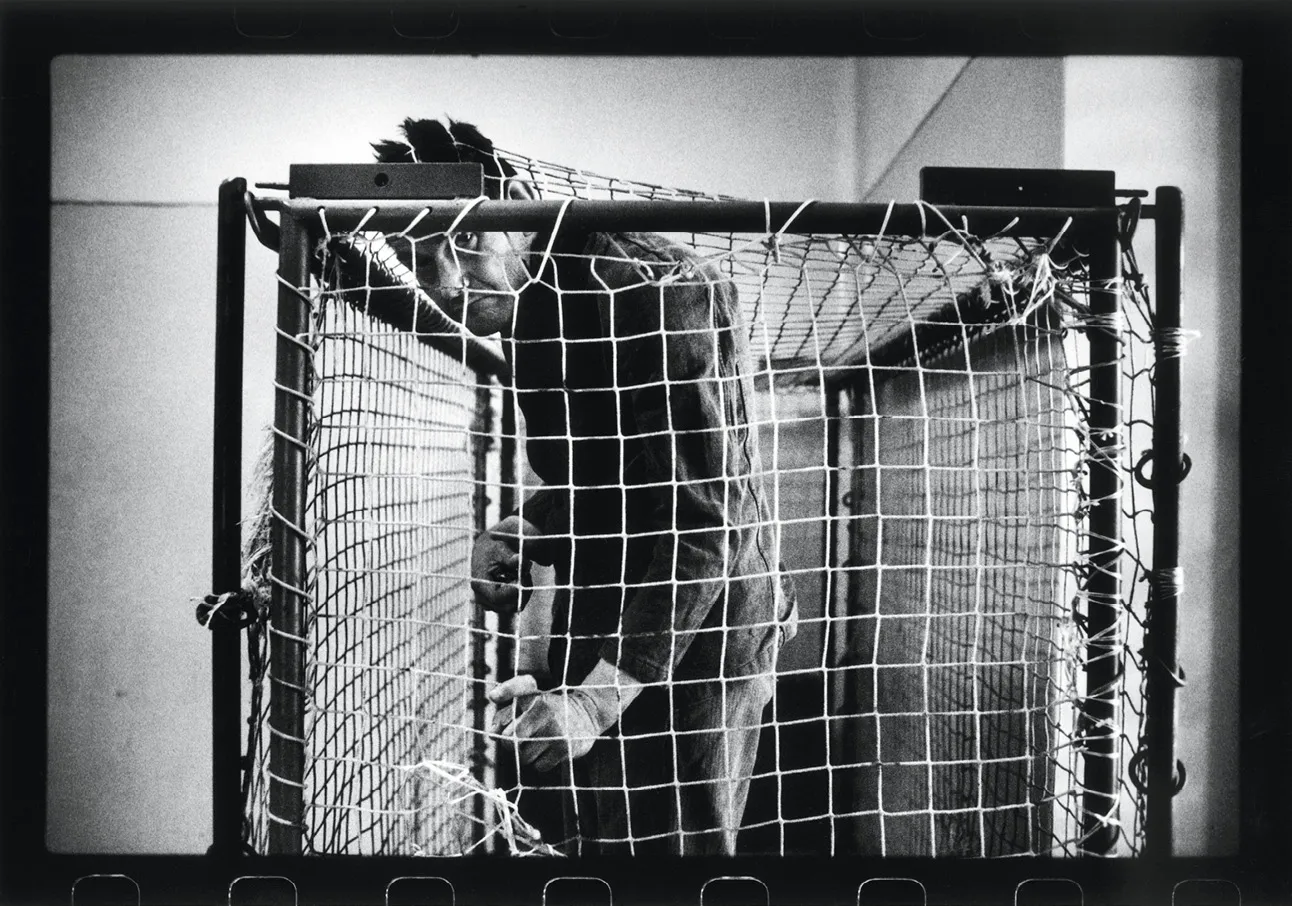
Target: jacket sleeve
{"x":672,"y":342}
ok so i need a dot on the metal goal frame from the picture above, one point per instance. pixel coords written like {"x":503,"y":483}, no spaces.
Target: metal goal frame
{"x":365,"y":195}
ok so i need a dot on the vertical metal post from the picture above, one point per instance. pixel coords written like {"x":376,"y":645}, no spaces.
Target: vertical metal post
{"x":1104,"y":589}
{"x":293,"y":385}
{"x":226,"y":541}
{"x":481,"y":441}
{"x":1168,"y":470}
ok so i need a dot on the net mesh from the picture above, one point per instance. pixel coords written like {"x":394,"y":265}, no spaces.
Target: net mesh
{"x":923,"y":447}
{"x":389,"y":519}
{"x":958,"y":599}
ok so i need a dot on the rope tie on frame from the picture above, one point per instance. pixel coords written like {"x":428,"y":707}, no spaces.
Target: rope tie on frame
{"x":773,"y":240}
{"x":283,"y":634}
{"x":299,"y":740}
{"x":367,"y":215}
{"x":466,"y":209}
{"x":302,"y":397}
{"x":296,"y":529}
{"x":296,"y":340}
{"x":275,"y":818}
{"x":300,"y":292}
{"x":547,"y":250}
{"x":1166,"y":583}
{"x":295,"y":442}
{"x":421,"y":215}
{"x":1112,"y":322}
{"x":1173,"y":342}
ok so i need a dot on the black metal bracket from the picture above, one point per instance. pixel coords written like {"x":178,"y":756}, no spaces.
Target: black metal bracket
{"x":1138,"y":773}
{"x":404,"y":182}
{"x":265,"y":229}
{"x":1146,"y":481}
{"x":1031,"y":188}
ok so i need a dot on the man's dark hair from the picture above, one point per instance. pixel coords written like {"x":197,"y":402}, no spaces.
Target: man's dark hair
{"x":430,"y":141}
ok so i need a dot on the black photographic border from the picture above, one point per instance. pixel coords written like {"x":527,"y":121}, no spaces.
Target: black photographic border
{"x":1258,"y":33}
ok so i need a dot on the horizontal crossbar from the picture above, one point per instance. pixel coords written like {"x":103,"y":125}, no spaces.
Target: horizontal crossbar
{"x":916,"y":219}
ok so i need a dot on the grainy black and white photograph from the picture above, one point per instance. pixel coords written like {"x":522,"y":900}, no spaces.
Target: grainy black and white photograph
{"x":578,"y":456}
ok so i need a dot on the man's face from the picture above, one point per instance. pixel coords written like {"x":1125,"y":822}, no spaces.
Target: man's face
{"x":474,"y":277}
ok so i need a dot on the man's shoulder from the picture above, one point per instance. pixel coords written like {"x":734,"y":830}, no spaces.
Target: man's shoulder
{"x":648,"y":247}
{"x":648,"y":256}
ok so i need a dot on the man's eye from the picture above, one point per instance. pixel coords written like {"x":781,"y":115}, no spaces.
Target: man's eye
{"x":466,"y":240}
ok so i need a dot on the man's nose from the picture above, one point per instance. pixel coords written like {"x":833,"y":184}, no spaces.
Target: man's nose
{"x":439,"y":272}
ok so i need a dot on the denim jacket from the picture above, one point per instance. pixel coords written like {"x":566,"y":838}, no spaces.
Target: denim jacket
{"x":635,"y":386}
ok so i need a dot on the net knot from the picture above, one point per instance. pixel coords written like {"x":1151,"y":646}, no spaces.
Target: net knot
{"x":773,"y":245}
{"x":502,"y":819}
{"x":773,"y":241}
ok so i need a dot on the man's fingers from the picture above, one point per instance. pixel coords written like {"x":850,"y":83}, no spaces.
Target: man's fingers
{"x":554,"y":755}
{"x":511,"y":533}
{"x":504,"y":572}
{"x":521,"y":684}
{"x":541,"y":735}
{"x":496,"y":596}
{"x":548,"y":731}
{"x":503,"y":719}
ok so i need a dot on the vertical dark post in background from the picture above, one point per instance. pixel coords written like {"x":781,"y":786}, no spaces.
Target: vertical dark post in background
{"x":481,"y":441}
{"x":830,"y":534}
{"x":506,"y":503}
{"x":504,"y":763}
{"x":1104,"y":588}
{"x":830,"y":558}
{"x":1168,"y":471}
{"x":226,"y":541}
{"x":292,"y":387}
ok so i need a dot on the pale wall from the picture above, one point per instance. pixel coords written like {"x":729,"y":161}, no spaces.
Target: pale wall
{"x":1159,"y":121}
{"x":1154,"y":121}
{"x":948,"y":112}
{"x":132,"y":321}
{"x":133,"y":313}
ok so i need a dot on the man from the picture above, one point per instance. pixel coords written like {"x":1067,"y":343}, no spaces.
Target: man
{"x":631,"y":370}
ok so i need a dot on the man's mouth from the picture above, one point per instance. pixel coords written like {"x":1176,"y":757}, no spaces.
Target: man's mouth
{"x":452,"y":303}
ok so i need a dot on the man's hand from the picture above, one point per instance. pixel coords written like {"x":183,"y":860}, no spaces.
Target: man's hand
{"x":551,"y":728}
{"x":500,"y":581}
{"x":547,"y":728}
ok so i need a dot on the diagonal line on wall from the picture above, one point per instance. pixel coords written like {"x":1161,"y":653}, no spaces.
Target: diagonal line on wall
{"x":933,"y":108}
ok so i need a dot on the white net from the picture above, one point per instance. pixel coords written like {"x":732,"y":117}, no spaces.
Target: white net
{"x":894,"y":427}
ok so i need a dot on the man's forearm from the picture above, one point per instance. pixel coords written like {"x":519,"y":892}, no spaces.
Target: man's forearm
{"x":609,"y":691}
